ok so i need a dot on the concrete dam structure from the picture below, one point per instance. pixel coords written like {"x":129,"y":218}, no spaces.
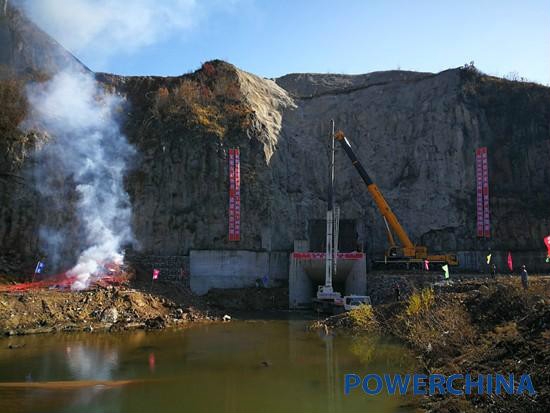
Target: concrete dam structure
{"x":302,"y":271}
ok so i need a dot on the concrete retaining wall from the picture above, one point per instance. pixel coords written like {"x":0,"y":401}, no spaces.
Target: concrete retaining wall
{"x":235,"y":268}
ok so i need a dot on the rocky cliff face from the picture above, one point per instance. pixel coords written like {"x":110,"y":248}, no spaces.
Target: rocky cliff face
{"x":416,"y":134}
{"x":27,"y":49}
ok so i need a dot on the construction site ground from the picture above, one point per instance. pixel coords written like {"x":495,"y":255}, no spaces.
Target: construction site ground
{"x":136,"y":304}
{"x":108,"y":307}
{"x":476,"y":326}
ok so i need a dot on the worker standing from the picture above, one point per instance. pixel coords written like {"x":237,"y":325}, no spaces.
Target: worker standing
{"x":493,"y":271}
{"x":396,"y":292}
{"x":524,"y":275}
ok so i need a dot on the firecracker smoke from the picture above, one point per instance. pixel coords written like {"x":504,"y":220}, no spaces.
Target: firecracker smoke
{"x":88,"y":152}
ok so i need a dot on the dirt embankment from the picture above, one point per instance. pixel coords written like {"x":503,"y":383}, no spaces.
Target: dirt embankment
{"x":113,"y":308}
{"x":476,"y":327}
{"x":124,"y":307}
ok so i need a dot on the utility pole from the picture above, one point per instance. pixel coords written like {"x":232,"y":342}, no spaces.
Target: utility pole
{"x":329,"y":260}
{"x":333,"y":213}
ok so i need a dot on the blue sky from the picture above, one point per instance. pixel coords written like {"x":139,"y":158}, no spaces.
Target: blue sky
{"x":272,"y":38}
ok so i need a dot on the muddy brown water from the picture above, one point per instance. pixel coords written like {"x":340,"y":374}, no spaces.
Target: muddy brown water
{"x":267,"y":365}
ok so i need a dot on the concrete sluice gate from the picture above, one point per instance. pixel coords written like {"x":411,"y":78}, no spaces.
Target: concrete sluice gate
{"x":303,"y":271}
{"x":307,"y":272}
{"x":315,"y":269}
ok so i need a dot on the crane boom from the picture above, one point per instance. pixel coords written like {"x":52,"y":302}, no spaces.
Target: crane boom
{"x":407,"y":252}
{"x":377,"y":196}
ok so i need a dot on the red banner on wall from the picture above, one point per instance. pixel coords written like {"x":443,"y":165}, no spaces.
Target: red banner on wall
{"x":234,"y":195}
{"x":482,"y":190}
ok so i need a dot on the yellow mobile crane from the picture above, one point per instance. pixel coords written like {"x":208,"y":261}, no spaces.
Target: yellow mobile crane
{"x":407,"y":252}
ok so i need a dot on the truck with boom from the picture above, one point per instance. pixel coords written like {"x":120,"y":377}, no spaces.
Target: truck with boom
{"x":327,"y":300}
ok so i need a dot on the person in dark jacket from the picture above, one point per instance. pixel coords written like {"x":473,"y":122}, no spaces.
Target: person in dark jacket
{"x":524,"y":275}
{"x":396,"y":291}
{"x":493,"y":271}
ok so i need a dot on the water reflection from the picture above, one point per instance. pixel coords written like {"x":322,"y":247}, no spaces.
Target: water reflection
{"x":152,"y":362}
{"x":332,"y":373}
{"x":272,"y":365}
{"x":86,"y":362}
{"x":90,"y":363}
{"x":363,"y":347}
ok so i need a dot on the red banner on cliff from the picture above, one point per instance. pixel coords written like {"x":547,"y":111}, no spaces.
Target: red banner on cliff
{"x":486,"y":215}
{"x":479,"y":193}
{"x":234,"y":195}
{"x":482,"y":192}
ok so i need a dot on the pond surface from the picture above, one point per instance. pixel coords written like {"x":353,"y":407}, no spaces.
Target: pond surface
{"x":241,"y":366}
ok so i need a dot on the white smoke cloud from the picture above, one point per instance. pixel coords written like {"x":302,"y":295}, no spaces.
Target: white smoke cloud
{"x":102,"y":28}
{"x":89,"y":151}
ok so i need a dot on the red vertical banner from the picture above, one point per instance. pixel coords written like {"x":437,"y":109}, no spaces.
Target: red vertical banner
{"x":237,"y":194}
{"x":231,"y":195}
{"x":486,"y":215}
{"x":482,"y":192}
{"x":479,"y":191}
{"x":234,"y":195}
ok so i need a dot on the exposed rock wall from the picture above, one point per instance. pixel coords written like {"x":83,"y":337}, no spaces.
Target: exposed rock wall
{"x":415,"y":133}
{"x":26,"y":49}
{"x":179,"y":185}
{"x":405,"y":133}
{"x":18,"y":201}
{"x":26,"y":54}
